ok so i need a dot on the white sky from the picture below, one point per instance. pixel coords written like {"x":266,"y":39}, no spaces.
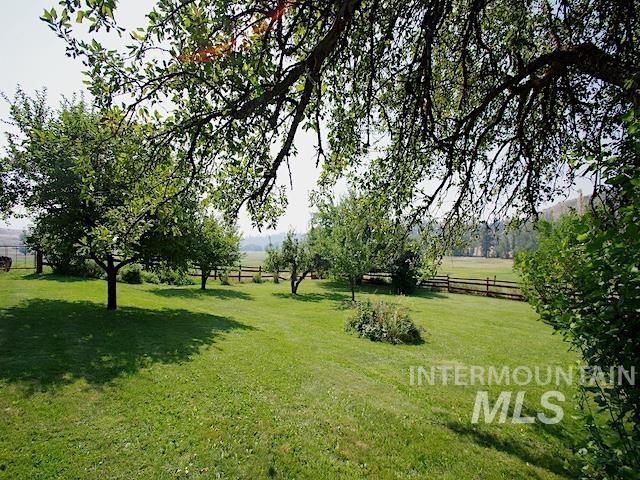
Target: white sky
{"x":32,"y":56}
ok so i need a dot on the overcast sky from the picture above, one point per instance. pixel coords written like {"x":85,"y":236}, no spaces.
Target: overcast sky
{"x":33,"y":57}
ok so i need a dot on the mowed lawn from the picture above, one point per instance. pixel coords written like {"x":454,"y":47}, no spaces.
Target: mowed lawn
{"x":244,"y":381}
{"x":478,"y":267}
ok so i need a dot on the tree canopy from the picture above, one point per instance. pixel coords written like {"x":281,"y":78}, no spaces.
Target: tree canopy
{"x":87,"y":189}
{"x":352,"y":238}
{"x":211,"y":244}
{"x":486,"y":102}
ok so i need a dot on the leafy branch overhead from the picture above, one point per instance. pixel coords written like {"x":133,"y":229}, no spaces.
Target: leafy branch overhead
{"x":487,"y":102}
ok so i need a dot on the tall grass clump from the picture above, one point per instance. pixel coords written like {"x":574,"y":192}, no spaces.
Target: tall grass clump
{"x":383,"y":322}
{"x":224,"y":277}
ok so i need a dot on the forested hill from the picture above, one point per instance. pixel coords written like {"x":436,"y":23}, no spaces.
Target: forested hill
{"x":259,"y":243}
{"x":496,"y":240}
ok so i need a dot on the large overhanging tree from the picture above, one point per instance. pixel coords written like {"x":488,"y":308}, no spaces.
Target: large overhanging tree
{"x":486,"y":103}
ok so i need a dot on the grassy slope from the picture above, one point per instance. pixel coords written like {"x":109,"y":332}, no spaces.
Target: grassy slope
{"x":246,"y":382}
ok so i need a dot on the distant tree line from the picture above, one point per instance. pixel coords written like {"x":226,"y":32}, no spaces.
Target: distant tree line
{"x":497,"y":239}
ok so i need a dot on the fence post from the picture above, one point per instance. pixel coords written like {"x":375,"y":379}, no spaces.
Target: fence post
{"x":239,"y":273}
{"x":448,"y":284}
{"x":487,"y":286}
{"x":38,"y":262}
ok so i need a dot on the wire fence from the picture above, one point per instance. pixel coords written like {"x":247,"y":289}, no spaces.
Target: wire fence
{"x":20,"y":257}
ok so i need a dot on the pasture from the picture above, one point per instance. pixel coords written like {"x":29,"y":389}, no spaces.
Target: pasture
{"x":478,"y":267}
{"x":244,"y":381}
{"x":474,"y":267}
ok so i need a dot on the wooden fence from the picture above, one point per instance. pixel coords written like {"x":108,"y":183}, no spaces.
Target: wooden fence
{"x":488,"y":287}
{"x":25,"y":259}
{"x":240,"y":272}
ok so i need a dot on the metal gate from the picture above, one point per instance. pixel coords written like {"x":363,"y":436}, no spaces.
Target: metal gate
{"x":22,"y":257}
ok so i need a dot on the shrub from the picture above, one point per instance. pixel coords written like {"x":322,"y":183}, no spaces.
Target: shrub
{"x":583,"y":280}
{"x":257,"y":277}
{"x":274,"y":262}
{"x":405,"y":274}
{"x":131,"y":274}
{"x":375,"y":280}
{"x":382,"y":322}
{"x":150,"y":277}
{"x":78,"y":267}
{"x":224,"y":277}
{"x":176,"y":277}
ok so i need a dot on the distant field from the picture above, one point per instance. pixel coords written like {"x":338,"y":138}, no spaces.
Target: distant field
{"x":253,"y":259}
{"x":468,"y":267}
{"x":478,"y":267}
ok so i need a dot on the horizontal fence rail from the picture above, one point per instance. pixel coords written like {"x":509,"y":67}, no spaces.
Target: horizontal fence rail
{"x":476,"y":286}
{"x":23,"y":258}
{"x":488,"y":287}
{"x":239,"y":272}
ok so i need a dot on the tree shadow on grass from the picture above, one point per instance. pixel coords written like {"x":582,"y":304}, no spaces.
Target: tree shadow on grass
{"x":198,"y":293}
{"x":547,"y":458}
{"x":377,"y":289}
{"x":52,"y":277}
{"x":314,"y":297}
{"x":48,"y":343}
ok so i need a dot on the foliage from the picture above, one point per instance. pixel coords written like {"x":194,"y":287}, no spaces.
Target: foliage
{"x":300,"y":256}
{"x":483,"y":99}
{"x":132,"y":274}
{"x":351,"y":237}
{"x":584,"y":280}
{"x":150,"y":277}
{"x":76,"y":266}
{"x":212,"y":243}
{"x":223,"y":276}
{"x":174,"y":276}
{"x":497,"y":239}
{"x":274,"y":263}
{"x":81,"y":181}
{"x":257,"y":278}
{"x":383,"y":322}
{"x":405,"y":268}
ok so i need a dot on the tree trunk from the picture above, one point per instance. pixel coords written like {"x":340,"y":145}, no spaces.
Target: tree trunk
{"x":112,"y":274}
{"x":294,"y":284}
{"x":353,"y":289}
{"x":204,"y":275}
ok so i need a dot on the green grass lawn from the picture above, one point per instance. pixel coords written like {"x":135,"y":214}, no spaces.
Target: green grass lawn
{"x":478,"y":267}
{"x":245,"y":382}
